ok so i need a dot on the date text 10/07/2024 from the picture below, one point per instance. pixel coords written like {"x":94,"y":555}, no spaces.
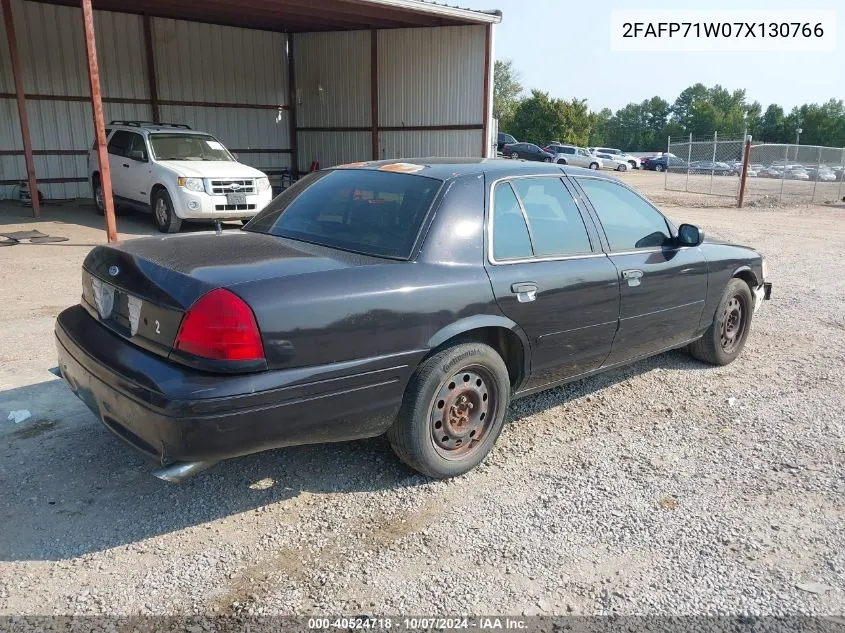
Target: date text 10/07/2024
{"x":418,"y":623}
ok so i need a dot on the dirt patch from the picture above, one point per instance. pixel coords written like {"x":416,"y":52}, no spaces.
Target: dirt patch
{"x":34,"y":429}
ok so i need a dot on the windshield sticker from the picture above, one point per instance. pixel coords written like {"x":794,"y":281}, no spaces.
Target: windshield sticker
{"x":404,"y":168}
{"x":214,"y":145}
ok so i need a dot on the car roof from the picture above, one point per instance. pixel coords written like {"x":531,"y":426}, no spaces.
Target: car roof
{"x":447,"y":168}
{"x":152,"y":127}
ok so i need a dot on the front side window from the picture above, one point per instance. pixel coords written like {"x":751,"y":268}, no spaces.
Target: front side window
{"x":510,"y":234}
{"x":629,"y":221}
{"x":137,"y":148}
{"x":556,"y":224}
{"x":360,"y":210}
{"x":170,"y":146}
{"x":567,"y":150}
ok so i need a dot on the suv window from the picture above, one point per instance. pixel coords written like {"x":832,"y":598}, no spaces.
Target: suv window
{"x":119,"y":143}
{"x":137,"y":145}
{"x":556,"y":223}
{"x":566,"y":150}
{"x":359,"y":210}
{"x":510,"y":235}
{"x":629,"y":221}
{"x":94,"y":144}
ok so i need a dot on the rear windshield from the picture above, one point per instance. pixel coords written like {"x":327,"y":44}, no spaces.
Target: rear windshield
{"x":364,"y":211}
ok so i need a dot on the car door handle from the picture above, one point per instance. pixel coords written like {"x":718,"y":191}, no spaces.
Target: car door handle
{"x":126,"y":165}
{"x":525,"y":291}
{"x":633,"y":276}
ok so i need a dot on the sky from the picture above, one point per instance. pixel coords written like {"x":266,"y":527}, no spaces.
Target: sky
{"x":563,"y":47}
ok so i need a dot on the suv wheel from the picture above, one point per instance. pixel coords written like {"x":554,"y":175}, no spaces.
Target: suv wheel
{"x":165,"y":219}
{"x":99,"y":198}
{"x":658,"y":167}
{"x":594,"y":165}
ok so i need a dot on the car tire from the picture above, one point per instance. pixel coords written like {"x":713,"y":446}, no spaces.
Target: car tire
{"x":455,"y":397}
{"x":165,"y":218}
{"x":658,"y":168}
{"x":547,"y":160}
{"x":633,"y":164}
{"x":99,"y":198}
{"x":561,"y":161}
{"x":622,"y":167}
{"x":725,"y":338}
{"x":594,"y":165}
{"x":514,"y":156}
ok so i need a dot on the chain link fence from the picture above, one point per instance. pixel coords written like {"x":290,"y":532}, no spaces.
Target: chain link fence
{"x":704,"y":165}
{"x":790,"y":174}
{"x":794,"y":174}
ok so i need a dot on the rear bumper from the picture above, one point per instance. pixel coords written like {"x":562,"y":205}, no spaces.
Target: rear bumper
{"x":173,"y":413}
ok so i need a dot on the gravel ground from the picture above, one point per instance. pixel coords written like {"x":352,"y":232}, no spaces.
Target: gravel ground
{"x":667,"y":487}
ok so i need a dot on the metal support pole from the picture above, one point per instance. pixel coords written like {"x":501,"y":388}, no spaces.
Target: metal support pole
{"x":668,"y":160}
{"x":816,"y":179}
{"x":22,"y":114}
{"x":374,"y":92}
{"x":746,"y":160}
{"x":841,"y":176}
{"x":99,"y":125}
{"x":783,"y":173}
{"x":689,"y":159}
{"x":713,"y":162}
{"x":294,"y":158}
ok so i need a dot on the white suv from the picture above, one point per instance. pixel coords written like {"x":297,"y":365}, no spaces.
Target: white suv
{"x":178,"y":173}
{"x":617,"y":154}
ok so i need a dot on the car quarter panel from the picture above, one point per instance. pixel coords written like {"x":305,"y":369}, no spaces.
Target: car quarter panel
{"x":726,"y":261}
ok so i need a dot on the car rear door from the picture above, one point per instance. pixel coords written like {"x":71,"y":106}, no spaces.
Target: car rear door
{"x":662,"y":286}
{"x":550,"y":276}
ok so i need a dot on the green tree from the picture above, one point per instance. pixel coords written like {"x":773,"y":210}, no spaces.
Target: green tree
{"x":598,"y":127}
{"x":540,"y":119}
{"x":772,"y":125}
{"x":506,"y":92}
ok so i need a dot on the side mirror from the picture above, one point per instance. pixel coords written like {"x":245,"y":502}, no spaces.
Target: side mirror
{"x":138,"y":155}
{"x":690,"y":235}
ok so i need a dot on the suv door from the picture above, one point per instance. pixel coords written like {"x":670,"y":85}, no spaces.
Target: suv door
{"x":136,"y":168}
{"x":662,"y":286}
{"x":118,"y":147}
{"x":550,"y":276}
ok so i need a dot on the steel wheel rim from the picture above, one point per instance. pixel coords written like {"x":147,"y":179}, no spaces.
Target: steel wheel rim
{"x":462,"y":412}
{"x":98,"y":197}
{"x":733,"y":324}
{"x":161,"y":212}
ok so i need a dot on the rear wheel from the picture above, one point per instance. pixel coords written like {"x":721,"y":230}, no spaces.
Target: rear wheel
{"x":514,"y":155}
{"x":622,"y":167}
{"x":166,"y":220}
{"x":726,"y":336}
{"x":594,"y":165}
{"x":561,"y":161}
{"x":658,"y":168}
{"x":99,"y":198}
{"x":547,"y":160}
{"x":453,"y":411}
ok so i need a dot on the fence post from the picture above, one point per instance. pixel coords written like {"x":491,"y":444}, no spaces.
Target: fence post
{"x":746,"y":159}
{"x":841,"y":176}
{"x":689,"y":159}
{"x":783,"y":172}
{"x":666,"y":173}
{"x":816,"y":179}
{"x":713,"y":162}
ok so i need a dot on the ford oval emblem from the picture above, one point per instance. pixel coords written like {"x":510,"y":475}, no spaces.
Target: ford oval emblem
{"x":113,"y":271}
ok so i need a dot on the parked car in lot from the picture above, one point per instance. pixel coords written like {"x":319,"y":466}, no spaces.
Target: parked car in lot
{"x":664,"y":162}
{"x":413,"y":298}
{"x":178,"y":174}
{"x":610,"y":162}
{"x":822,"y":174}
{"x":711,"y":167}
{"x":527,"y":151}
{"x":796,"y":173}
{"x":572,"y":155}
{"x":632,"y":161}
{"x":503,"y":139}
{"x":772,"y":171}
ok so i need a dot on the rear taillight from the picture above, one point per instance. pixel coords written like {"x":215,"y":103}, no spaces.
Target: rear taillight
{"x":220,"y":326}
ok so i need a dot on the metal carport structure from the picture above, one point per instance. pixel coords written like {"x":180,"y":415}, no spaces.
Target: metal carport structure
{"x":285,"y":83}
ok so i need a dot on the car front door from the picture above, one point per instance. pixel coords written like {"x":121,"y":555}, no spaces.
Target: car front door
{"x":662,"y":285}
{"x":550,"y":276}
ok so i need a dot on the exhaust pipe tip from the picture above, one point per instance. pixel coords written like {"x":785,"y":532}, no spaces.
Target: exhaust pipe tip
{"x":180,"y":471}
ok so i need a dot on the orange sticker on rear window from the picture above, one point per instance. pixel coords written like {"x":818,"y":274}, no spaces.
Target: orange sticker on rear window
{"x":404,"y":168}
{"x":351,"y":165}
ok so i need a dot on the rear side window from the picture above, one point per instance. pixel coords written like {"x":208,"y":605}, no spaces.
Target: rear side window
{"x":119,"y":143}
{"x":629,"y":221}
{"x":566,"y":150}
{"x":360,"y":210}
{"x":510,"y":234}
{"x":556,"y":223}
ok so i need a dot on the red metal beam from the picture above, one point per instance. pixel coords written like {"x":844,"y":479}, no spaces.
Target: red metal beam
{"x":22,"y":114}
{"x":374,"y":90}
{"x":485,"y":146}
{"x":99,"y":125}
{"x":151,"y":66}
